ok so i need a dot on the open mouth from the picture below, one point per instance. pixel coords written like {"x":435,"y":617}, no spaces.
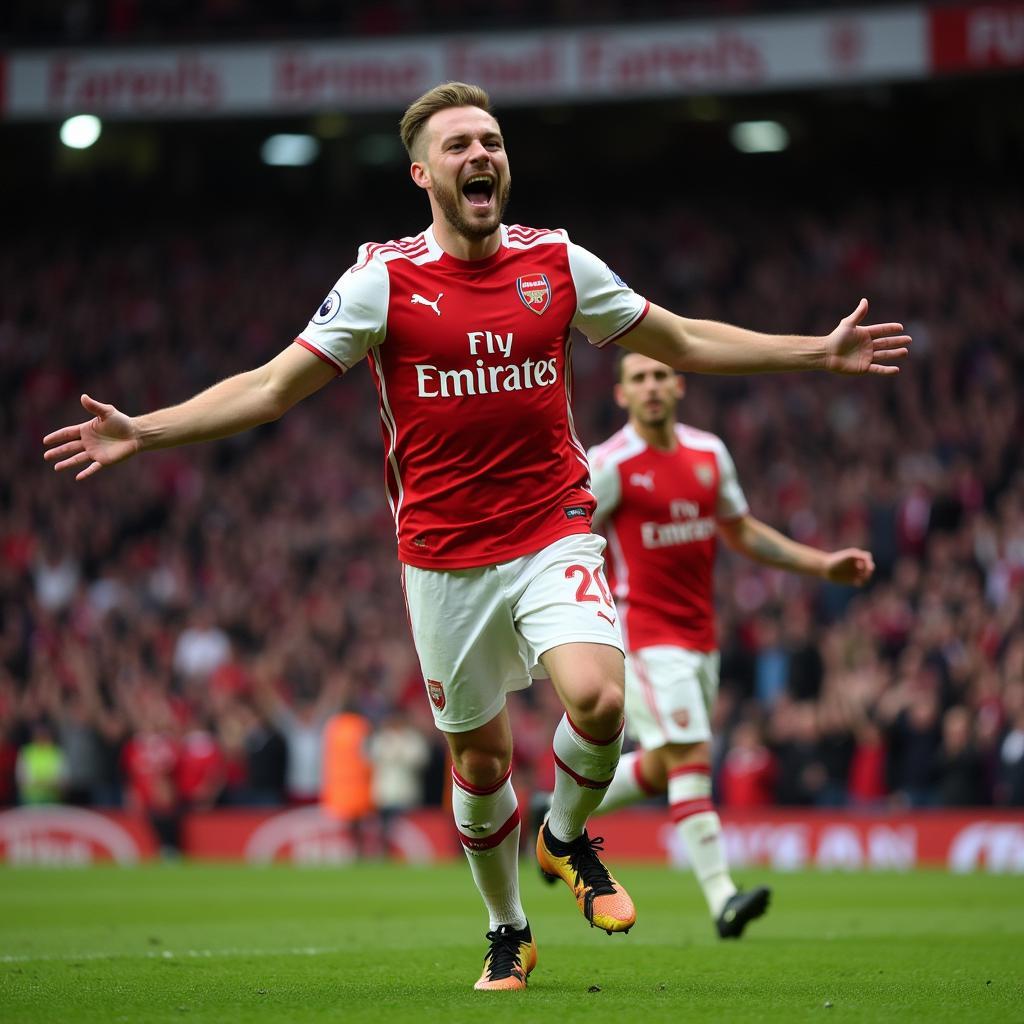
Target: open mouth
{"x":479,"y":189}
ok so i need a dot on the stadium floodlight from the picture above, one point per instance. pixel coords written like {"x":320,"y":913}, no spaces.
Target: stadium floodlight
{"x":80,"y":131}
{"x":759,"y":136}
{"x":290,"y":150}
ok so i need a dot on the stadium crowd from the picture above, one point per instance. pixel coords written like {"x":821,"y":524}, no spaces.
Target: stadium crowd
{"x":163,"y":21}
{"x":175,"y":632}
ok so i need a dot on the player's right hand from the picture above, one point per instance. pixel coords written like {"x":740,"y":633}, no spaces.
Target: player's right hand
{"x":109,"y":437}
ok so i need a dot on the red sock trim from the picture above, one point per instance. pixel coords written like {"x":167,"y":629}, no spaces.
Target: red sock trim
{"x":593,"y":739}
{"x":690,"y":769}
{"x":644,"y":785}
{"x":687,"y":808}
{"x":490,"y":842}
{"x":581,"y":780}
{"x":480,"y":790}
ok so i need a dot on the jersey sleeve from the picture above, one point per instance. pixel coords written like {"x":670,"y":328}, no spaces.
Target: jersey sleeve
{"x":353,"y":317}
{"x":606,"y":307}
{"x":605,"y":485}
{"x":732,"y":502}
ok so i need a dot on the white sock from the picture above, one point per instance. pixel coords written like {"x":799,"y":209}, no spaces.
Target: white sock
{"x":488,"y":824}
{"x":628,"y":787}
{"x":689,"y":797}
{"x":585,"y":767}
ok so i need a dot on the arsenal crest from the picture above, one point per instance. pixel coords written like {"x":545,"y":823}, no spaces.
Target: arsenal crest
{"x":435,"y":691}
{"x":704,"y":473}
{"x":535,"y":291}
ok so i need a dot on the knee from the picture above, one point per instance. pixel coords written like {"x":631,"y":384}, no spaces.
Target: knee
{"x":599,"y":707}
{"x":482,"y":767}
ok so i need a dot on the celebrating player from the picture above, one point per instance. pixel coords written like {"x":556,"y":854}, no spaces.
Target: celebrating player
{"x":466,"y":327}
{"x":664,"y":493}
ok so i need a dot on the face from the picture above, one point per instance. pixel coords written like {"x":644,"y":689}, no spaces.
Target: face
{"x":648,"y":390}
{"x":465,"y":169}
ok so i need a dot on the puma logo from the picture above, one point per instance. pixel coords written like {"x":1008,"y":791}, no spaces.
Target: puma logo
{"x":418,"y":300}
{"x":645,"y":480}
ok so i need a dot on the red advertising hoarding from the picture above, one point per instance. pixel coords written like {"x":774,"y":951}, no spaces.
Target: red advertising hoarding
{"x":977,"y":38}
{"x":784,"y":840}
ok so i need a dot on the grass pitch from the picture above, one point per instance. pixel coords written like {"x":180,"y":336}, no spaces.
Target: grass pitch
{"x":377,"y":943}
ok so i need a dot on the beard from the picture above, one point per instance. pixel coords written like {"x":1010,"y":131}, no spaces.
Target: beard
{"x":655,"y":418}
{"x":475,"y":231}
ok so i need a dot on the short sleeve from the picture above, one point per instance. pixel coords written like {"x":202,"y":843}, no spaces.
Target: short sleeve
{"x":353,"y":317}
{"x":605,"y":484}
{"x":732,"y":502}
{"x":606,"y":307}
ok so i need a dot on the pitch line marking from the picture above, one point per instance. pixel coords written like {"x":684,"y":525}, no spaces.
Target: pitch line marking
{"x":169,"y":954}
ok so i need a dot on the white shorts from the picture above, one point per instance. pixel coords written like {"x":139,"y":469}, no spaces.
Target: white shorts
{"x":480,"y":633}
{"x":669,"y":695}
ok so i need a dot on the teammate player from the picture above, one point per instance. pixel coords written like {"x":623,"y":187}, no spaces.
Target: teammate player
{"x":466,"y":327}
{"x":664,"y":493}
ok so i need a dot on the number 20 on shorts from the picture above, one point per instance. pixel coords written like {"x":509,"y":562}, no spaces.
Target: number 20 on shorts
{"x":588,"y":580}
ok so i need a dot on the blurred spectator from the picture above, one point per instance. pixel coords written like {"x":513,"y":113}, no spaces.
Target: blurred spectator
{"x":911,"y":713}
{"x":41,"y":768}
{"x":255,"y":756}
{"x":111,"y":731}
{"x":836,"y":747}
{"x":802,"y":776}
{"x":961,"y":776}
{"x":866,"y":786}
{"x":399,"y":754}
{"x":772,"y":662}
{"x":1011,"y":751}
{"x":302,"y":726}
{"x":804,"y":675}
{"x":56,"y":576}
{"x":202,"y":647}
{"x":747,"y":776}
{"x":200,"y":772}
{"x":347,"y":788}
{"x":80,"y":743}
{"x":150,"y":763}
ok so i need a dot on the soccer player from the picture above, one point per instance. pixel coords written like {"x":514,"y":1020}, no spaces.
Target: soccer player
{"x":467,"y":330}
{"x":665,"y":492}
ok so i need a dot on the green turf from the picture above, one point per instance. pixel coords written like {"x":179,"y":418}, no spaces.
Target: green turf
{"x":374,"y":943}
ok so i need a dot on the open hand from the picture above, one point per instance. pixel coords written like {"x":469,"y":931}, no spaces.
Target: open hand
{"x":852,"y":348}
{"x":851,"y":566}
{"x":109,"y":437}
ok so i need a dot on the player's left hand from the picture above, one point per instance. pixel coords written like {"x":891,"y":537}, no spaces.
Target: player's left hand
{"x":854,"y":348}
{"x":851,"y":566}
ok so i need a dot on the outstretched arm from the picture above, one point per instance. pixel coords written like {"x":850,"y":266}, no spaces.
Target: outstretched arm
{"x":757,"y":540}
{"x":229,"y":407}
{"x":706,"y":346}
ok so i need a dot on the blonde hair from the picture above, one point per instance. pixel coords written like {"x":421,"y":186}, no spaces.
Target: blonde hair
{"x":441,"y":97}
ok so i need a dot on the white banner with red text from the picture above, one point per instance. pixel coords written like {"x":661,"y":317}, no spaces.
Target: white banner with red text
{"x":783,"y":840}
{"x":739,"y":54}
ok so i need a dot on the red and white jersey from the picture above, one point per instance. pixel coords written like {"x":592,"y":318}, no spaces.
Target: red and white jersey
{"x":472,"y":366}
{"x":660,"y":512}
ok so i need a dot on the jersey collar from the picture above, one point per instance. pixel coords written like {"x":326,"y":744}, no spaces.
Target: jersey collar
{"x":447,"y":260}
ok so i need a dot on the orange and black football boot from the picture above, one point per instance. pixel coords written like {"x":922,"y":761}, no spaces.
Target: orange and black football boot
{"x":602,"y":901}
{"x":507,"y":964}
